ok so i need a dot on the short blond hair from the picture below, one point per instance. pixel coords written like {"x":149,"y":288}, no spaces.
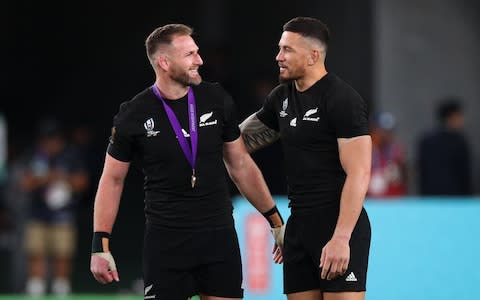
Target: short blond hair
{"x":163,"y":36}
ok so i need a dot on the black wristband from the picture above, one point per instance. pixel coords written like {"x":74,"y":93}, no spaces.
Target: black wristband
{"x":100,"y":242}
{"x":273,"y":217}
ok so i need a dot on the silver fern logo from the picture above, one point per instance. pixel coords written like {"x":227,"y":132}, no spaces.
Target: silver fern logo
{"x":309,"y":113}
{"x":149,"y":125}
{"x":204,"y":118}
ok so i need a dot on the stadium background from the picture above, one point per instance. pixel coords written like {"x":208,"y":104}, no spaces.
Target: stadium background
{"x":78,"y":60}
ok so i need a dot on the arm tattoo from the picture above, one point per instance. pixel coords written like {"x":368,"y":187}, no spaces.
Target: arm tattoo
{"x":257,"y":135}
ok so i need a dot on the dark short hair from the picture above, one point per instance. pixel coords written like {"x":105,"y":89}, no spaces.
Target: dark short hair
{"x":308,"y":27}
{"x":448,"y":107}
{"x":163,"y":36}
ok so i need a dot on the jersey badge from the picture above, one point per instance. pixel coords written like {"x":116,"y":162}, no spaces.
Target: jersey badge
{"x":309,"y":113}
{"x":149,"y":126}
{"x":283,"y":112}
{"x":205,"y":120}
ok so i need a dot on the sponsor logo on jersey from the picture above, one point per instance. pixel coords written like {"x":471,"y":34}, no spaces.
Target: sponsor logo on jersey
{"x":204,"y":120}
{"x":149,"y":125}
{"x":309,"y":113}
{"x":293,"y":122}
{"x":283,"y":112}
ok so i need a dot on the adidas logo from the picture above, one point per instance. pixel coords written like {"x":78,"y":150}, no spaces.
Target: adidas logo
{"x":351,"y":277}
{"x":185,"y":133}
{"x":293,"y":122}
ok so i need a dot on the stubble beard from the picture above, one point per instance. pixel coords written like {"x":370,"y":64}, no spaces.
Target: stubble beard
{"x":286,"y":79}
{"x":292,"y":76}
{"x":185,"y":79}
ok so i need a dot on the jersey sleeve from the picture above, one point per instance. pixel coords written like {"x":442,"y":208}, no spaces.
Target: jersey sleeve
{"x":348,"y":114}
{"x":120,"y":144}
{"x":268,"y":114}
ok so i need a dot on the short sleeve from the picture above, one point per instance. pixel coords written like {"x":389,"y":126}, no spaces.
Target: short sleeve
{"x":348,"y":114}
{"x":120,"y":144}
{"x":267,"y":114}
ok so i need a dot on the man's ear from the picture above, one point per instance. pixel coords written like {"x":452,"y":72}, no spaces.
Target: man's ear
{"x":313,"y":57}
{"x":162,"y":62}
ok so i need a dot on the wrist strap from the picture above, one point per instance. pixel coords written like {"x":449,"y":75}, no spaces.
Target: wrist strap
{"x":100,"y":242}
{"x":273,"y":217}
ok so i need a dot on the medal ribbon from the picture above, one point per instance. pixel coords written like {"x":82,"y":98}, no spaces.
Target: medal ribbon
{"x":190,"y":154}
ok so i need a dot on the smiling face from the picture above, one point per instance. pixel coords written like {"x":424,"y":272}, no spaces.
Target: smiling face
{"x":292,"y":57}
{"x":184,"y":60}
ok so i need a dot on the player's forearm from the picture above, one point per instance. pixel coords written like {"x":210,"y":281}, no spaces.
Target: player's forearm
{"x":351,"y":203}
{"x":251,"y":184}
{"x":257,"y":135}
{"x":107,"y":202}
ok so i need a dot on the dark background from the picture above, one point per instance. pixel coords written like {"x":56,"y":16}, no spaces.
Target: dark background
{"x":78,"y":60}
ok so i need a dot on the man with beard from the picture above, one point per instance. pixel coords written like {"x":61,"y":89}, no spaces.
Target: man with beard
{"x":323,"y":126}
{"x":190,"y":244}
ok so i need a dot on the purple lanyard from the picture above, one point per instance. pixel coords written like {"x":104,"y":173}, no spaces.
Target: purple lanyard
{"x":191,"y":155}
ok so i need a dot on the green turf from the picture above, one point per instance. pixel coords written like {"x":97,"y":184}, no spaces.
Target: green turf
{"x":79,"y":297}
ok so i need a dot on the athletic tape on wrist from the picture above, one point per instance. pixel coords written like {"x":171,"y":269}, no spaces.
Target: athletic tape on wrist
{"x":100,"y":242}
{"x":273,"y":217}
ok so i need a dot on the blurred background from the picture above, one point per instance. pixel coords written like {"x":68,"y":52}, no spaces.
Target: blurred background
{"x":66,"y":67}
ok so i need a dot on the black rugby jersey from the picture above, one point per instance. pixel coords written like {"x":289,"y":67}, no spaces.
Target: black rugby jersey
{"x":142,"y":131}
{"x":309,"y":123}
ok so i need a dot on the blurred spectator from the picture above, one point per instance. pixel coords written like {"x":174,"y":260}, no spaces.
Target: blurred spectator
{"x":53,"y":177}
{"x":3,"y":173}
{"x":444,"y":161}
{"x":389,"y":168}
{"x":82,"y":137}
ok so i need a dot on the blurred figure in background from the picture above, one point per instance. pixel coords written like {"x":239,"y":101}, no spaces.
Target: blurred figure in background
{"x":3,"y":172}
{"x":5,"y":219}
{"x":54,"y":175}
{"x":389,"y":167}
{"x":444,"y":159}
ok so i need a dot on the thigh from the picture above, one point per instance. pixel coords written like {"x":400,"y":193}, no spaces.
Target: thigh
{"x":344,"y":296}
{"x":300,"y":272}
{"x":168,"y":264}
{"x":219,"y":273}
{"x":304,"y":239}
{"x":354,"y":279}
{"x":36,"y":238}
{"x":62,"y":238}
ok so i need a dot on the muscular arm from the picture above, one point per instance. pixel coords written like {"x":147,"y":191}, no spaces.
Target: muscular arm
{"x":246,"y":175}
{"x":107,"y":201}
{"x":257,"y":135}
{"x":355,"y":157}
{"x":109,"y":192}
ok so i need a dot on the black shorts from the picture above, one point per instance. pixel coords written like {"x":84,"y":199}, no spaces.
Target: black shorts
{"x":305,"y":236}
{"x":179,"y":264}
